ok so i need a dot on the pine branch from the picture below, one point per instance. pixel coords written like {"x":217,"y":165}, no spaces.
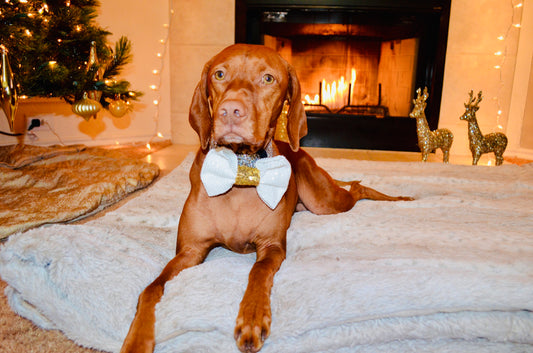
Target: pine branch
{"x":49,"y":43}
{"x":122,"y":57}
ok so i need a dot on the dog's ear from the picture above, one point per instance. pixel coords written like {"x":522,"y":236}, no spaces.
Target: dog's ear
{"x":296,"y":118}
{"x":200,"y":116}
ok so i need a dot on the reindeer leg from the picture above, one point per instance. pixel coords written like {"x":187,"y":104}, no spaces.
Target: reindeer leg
{"x":475,"y":158}
{"x":499,"y":158}
{"x":424,"y":156}
{"x":446,"y":155}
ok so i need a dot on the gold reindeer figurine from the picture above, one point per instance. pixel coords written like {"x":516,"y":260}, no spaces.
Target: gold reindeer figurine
{"x":494,"y":142}
{"x":429,"y":141}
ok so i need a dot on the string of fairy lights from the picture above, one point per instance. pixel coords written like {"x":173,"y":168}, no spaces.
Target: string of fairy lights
{"x":502,"y":52}
{"x":158,"y":71}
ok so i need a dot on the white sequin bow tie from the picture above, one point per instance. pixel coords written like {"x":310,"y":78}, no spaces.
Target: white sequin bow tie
{"x":222,"y":169}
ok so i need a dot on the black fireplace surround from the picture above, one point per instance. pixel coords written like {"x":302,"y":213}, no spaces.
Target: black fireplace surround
{"x":426,"y":20}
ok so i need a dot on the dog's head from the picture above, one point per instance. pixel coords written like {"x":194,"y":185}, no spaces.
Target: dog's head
{"x":240,"y":97}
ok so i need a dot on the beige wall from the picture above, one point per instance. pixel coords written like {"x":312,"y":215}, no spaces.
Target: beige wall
{"x":527,"y":130}
{"x":200,"y":29}
{"x":520,"y":131}
{"x":472,"y":42}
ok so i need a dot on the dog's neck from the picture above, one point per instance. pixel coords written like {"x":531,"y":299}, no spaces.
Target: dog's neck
{"x":270,"y":150}
{"x":249,"y":160}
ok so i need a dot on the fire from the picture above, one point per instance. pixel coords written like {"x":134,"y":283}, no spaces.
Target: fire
{"x":308,"y":100}
{"x":335,"y":94}
{"x":354,"y":77}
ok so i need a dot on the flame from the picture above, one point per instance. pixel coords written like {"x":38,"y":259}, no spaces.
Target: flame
{"x":354,"y":77}
{"x":334,"y":94}
{"x":308,"y":100}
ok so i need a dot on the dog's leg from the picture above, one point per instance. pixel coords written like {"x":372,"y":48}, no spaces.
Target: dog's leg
{"x":141,"y":336}
{"x":253,"y":322}
{"x":320,"y":193}
{"x":360,"y":192}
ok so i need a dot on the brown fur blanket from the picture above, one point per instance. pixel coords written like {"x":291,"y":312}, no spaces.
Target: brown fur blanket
{"x":41,"y":185}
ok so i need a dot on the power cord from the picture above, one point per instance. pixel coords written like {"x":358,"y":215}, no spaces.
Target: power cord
{"x":34,"y":124}
{"x":10,"y":134}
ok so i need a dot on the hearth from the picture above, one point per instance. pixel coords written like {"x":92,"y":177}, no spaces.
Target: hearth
{"x":359,"y":63}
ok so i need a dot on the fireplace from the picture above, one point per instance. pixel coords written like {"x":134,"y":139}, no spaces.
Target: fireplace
{"x":359,"y":63}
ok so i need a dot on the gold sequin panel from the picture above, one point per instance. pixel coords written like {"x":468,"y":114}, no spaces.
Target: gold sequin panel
{"x":247,"y":176}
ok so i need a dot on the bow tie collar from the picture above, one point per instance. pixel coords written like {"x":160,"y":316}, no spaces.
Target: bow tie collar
{"x":223,"y":168}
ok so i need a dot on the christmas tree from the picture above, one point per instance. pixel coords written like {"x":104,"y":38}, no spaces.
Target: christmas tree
{"x":57,"y":50}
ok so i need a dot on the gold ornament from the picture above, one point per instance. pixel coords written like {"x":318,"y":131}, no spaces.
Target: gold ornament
{"x":281,"y":125}
{"x":118,"y":108}
{"x":8,"y":96}
{"x":86,"y":107}
{"x":429,"y":141}
{"x":494,"y":142}
{"x":93,"y":60}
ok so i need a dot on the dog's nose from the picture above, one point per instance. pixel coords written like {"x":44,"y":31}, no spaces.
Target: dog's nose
{"x":232,"y":110}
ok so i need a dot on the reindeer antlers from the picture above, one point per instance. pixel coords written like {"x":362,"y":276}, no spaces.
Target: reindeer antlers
{"x":421,"y":99}
{"x":474,"y":103}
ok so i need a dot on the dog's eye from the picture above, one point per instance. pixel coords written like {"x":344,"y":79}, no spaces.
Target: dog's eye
{"x":219,"y":75}
{"x":268,"y":79}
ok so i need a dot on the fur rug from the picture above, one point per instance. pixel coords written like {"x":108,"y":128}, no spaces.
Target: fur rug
{"x":41,"y":185}
{"x":451,"y":271}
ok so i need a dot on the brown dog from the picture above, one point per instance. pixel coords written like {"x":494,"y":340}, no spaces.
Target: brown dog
{"x":236,"y":105}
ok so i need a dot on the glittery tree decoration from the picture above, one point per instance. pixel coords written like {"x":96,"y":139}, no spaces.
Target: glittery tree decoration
{"x":494,"y":142}
{"x":8,"y":92}
{"x":281,"y":133}
{"x":429,"y":141}
{"x":53,"y":47}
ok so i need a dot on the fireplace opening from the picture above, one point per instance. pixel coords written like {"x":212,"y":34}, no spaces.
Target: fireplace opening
{"x":352,"y":76}
{"x":359,"y":63}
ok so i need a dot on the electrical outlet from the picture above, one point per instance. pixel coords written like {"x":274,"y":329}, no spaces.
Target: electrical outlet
{"x":36,"y":125}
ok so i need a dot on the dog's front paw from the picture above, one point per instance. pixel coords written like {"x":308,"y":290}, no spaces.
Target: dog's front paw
{"x":253,"y":327}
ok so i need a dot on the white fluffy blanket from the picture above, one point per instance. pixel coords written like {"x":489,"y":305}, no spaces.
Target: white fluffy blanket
{"x":451,"y":271}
